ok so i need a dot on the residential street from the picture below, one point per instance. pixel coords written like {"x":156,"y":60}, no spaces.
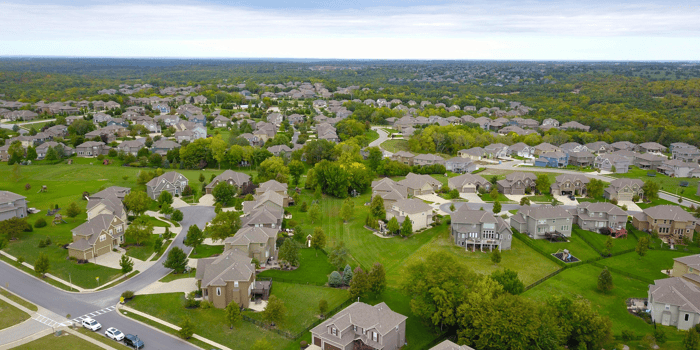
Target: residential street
{"x":78,"y":304}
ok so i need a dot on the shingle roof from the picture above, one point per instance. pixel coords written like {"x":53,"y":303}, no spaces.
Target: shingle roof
{"x":249,"y":234}
{"x":448,"y":345}
{"x":669,"y":212}
{"x":272,"y":185}
{"x":678,"y":292}
{"x":379,"y":317}
{"x":238,"y":178}
{"x":690,"y":261}
{"x":412,"y":206}
{"x":545,"y":212}
{"x":6,"y":196}
{"x":230,"y":266}
{"x":603,"y":207}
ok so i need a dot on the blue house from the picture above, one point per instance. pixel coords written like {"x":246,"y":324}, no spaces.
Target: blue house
{"x":552,"y":160}
{"x":163,"y":108}
{"x":199,"y":119}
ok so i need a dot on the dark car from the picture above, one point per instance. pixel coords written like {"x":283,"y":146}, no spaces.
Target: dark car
{"x":571,"y":197}
{"x":133,"y":341}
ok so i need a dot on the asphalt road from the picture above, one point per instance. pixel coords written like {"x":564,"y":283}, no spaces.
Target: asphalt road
{"x":78,"y":304}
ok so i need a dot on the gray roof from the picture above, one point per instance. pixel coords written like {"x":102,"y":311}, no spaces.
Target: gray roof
{"x":6,"y":196}
{"x":111,"y":203}
{"x":448,"y":345}
{"x":412,"y":206}
{"x":379,"y":317}
{"x":419,"y":180}
{"x":617,"y":184}
{"x":676,"y":291}
{"x":461,"y":180}
{"x":272,"y":185}
{"x":249,"y":234}
{"x":231,"y":265}
{"x":170,"y":177}
{"x":669,"y":212}
{"x":95,"y":226}
{"x":690,"y":261}
{"x":238,"y":178}
{"x":544,"y":212}
{"x":603,"y":207}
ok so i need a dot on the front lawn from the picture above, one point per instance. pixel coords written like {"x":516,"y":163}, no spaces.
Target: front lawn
{"x":176,"y":276}
{"x":206,"y":251}
{"x":396,"y":145}
{"x":209,"y":323}
{"x":156,"y":222}
{"x":486,"y":197}
{"x":11,"y":315}
{"x":141,"y":252}
{"x":65,"y":341}
{"x":313,"y":268}
{"x":542,"y":198}
{"x":301,"y":302}
{"x":18,"y":300}
{"x":666,"y":183}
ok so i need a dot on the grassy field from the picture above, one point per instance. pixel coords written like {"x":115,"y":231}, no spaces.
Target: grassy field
{"x":597,"y":240}
{"x":576,"y":246}
{"x":11,"y":315}
{"x":209,"y":323}
{"x":142,"y":251}
{"x":666,"y":183}
{"x":313,"y":268}
{"x":301,"y":302}
{"x":18,"y":300}
{"x":176,"y":276}
{"x":206,"y":251}
{"x":486,"y":197}
{"x":649,"y":266}
{"x":394,"y":146}
{"x":156,"y":222}
{"x":66,"y":341}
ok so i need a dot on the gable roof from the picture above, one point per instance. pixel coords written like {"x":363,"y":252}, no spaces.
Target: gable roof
{"x":678,"y":292}
{"x":544,"y":212}
{"x":419,"y":180}
{"x":604,"y":207}
{"x":272,"y":185}
{"x":412,"y":206}
{"x":365,"y":316}
{"x":462,"y":180}
{"x":690,"y":261}
{"x":249,"y":234}
{"x":669,"y":212}
{"x":95,"y":226}
{"x":231,"y":265}
{"x":238,"y":178}
{"x":170,"y":177}
{"x":7,"y":196}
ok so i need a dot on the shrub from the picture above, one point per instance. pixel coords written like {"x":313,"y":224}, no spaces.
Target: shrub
{"x":190,"y":302}
{"x":128,"y":294}
{"x":112,"y":153}
{"x":628,"y":335}
{"x":614,"y":201}
{"x":100,"y":157}
{"x":48,"y":241}
{"x":205,"y":304}
{"x":335,"y":280}
{"x":39,"y":223}
{"x":42,"y":243}
{"x":27,"y":187}
{"x":635,"y":198}
{"x":20,"y":260}
{"x":304,"y":344}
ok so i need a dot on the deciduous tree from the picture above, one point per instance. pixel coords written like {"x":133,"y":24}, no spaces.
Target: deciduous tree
{"x":224,"y":225}
{"x":233,"y":313}
{"x":126,"y":263}
{"x":509,"y":280}
{"x":176,"y":260}
{"x":137,"y":202}
{"x":194,"y":237}
{"x":41,"y":265}
{"x":347,"y":210}
{"x":275,"y":312}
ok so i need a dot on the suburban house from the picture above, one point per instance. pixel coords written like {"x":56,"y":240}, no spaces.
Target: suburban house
{"x":521,"y":149}
{"x":581,"y":158}
{"x":185,"y":135}
{"x":448,"y":345}
{"x":607,"y":162}
{"x":280,"y":151}
{"x":574,"y":125}
{"x":220,"y":121}
{"x":119,"y":192}
{"x":624,"y":189}
{"x":96,"y":237}
{"x":418,"y":184}
{"x":671,"y":222}
{"x":255,"y":242}
{"x":460,"y":165}
{"x":468,"y":183}
{"x":274,"y":186}
{"x":42,"y":149}
{"x":648,"y":161}
{"x":543,"y":221}
{"x":403,"y":157}
{"x":479,"y":228}
{"x":651,"y":147}
{"x":517,"y":183}
{"x":428,"y":159}
{"x":623,"y":146}
{"x":226,"y":278}
{"x":171,"y":181}
{"x":162,"y":146}
{"x":419,"y":212}
{"x":12,"y":205}
{"x":267,"y":210}
{"x":361,"y":326}
{"x":91,"y":149}
{"x":544,"y":148}
{"x":688,"y":268}
{"x":599,"y":147}
{"x":552,"y":160}
{"x":132,"y":146}
{"x":390,"y":191}
{"x":231,"y":177}
{"x":594,"y":216}
{"x":566,"y":184}
{"x":674,"y":302}
{"x":109,"y":204}
{"x":685,"y":152}
{"x":679,"y":168}
{"x":474,"y":153}
{"x":496,"y":150}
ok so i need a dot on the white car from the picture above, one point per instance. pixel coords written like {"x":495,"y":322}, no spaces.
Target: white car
{"x":91,"y":324}
{"x":114,"y":334}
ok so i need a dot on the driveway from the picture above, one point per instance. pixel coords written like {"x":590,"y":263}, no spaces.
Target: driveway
{"x":111,"y":260}
{"x":433,"y":198}
{"x":515,"y":197}
{"x":631,"y":206}
{"x":182,"y":285}
{"x":471,"y":197}
{"x":207,"y":200}
{"x":566,"y":201}
{"x":179,"y":203}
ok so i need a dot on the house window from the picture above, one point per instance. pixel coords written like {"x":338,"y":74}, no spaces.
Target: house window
{"x":102,"y":238}
{"x":218,"y":291}
{"x":687,"y":317}
{"x":334,"y":331}
{"x":354,"y":328}
{"x":374,"y":336}
{"x":235,"y":284}
{"x":667,"y":307}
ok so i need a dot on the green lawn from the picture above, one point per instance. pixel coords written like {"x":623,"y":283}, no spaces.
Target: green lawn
{"x":597,"y":240}
{"x":543,"y":198}
{"x":11,"y":315}
{"x":141,"y":252}
{"x":649,"y":266}
{"x":206,"y":251}
{"x":394,"y":146}
{"x":313,"y":268}
{"x":66,"y":341}
{"x":371,"y":135}
{"x":301,"y":302}
{"x":576,"y":246}
{"x":156,"y":222}
{"x":486,"y":197}
{"x":18,"y":300}
{"x":209,"y":323}
{"x":176,"y":276}
{"x":666,"y":183}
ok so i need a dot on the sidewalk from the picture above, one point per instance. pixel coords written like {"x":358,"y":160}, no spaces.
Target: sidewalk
{"x":122,"y":308}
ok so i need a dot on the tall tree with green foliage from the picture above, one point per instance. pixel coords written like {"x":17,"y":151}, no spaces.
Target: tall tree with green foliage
{"x":509,"y":280}
{"x":296,"y":169}
{"x":359,"y":286}
{"x":137,"y":202}
{"x":651,"y":190}
{"x":73,"y":210}
{"x":393,"y":226}
{"x":406,"y":227}
{"x":374,"y":158}
{"x":315,"y":213}
{"x":318,"y":240}
{"x":605,"y":281}
{"x":233,"y":314}
{"x":347,"y":210}
{"x":347,"y":275}
{"x":186,"y":329}
{"x":692,"y":340}
{"x":376,"y":208}
{"x":224,"y":225}
{"x":338,"y":256}
{"x":176,"y":260}
{"x":377,"y":278}
{"x":165,"y":197}
{"x":642,"y":246}
{"x":497,"y":207}
{"x":194,"y":237}
{"x":496,"y":256}
{"x":126,"y":263}
{"x":31,"y":153}
{"x":140,"y":230}
{"x":275,"y":312}
{"x":542,"y":183}
{"x":289,"y":252}
{"x":223,"y":192}
{"x":595,"y":188}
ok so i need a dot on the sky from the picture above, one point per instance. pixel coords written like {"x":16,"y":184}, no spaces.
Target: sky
{"x":362,"y":29}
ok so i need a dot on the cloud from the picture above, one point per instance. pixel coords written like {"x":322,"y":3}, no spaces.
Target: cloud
{"x":152,"y":29}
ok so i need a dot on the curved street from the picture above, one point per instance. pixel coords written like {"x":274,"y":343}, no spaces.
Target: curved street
{"x":78,"y":304}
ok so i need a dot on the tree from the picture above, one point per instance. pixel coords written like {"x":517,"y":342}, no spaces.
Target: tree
{"x":496,"y":256}
{"x":595,"y":188}
{"x":580,"y":322}
{"x":608,"y":245}
{"x":296,"y":169}
{"x":315,"y":213}
{"x":176,"y":260}
{"x":651,"y":190}
{"x":31,"y":153}
{"x":376,"y":208}
{"x":155,"y":160}
{"x":509,"y":280}
{"x":347,"y":275}
{"x":338,"y":256}
{"x":406,"y":227}
{"x":262,"y":344}
{"x":691,"y":340}
{"x":137,"y":202}
{"x":194,"y":237}
{"x":158,"y":244}
{"x":359,"y":286}
{"x":374,"y":158}
{"x":176,"y":215}
{"x":524,"y":201}
{"x":41,"y":265}
{"x":273,"y":168}
{"x":318,"y":194}
{"x":347,"y":210}
{"x":73,"y":210}
{"x":322,"y":307}
{"x":496,"y":207}
{"x":12,"y":228}
{"x":165,"y":198}
{"x":542,"y":183}
{"x":51,"y":154}
{"x":140,"y":230}
{"x":494,"y":193}
{"x":275,"y":312}
{"x":166,"y":209}
{"x":233,"y":314}
{"x":126,"y":263}
{"x":605,"y":282}
{"x":224,"y":225}
{"x":335,"y":280}
{"x":642,"y":246}
{"x":289,"y":252}
{"x":318,"y":240}
{"x":452,"y":207}
{"x":377,"y":278}
{"x":393,"y":225}
{"x":186,"y":329}
{"x":223,"y":192}
{"x":201,"y":177}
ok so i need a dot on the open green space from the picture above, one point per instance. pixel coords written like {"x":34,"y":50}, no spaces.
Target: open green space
{"x":176,"y":276}
{"x":597,"y":240}
{"x":164,"y":329}
{"x":576,"y":246}
{"x":394,"y":146}
{"x":209,"y":323}
{"x":18,"y":300}
{"x":206,"y":251}
{"x":142,"y":251}
{"x":666,"y":183}
{"x":371,"y":135}
{"x":649,"y":266}
{"x":313,"y":268}
{"x":301,"y":302}
{"x":11,"y":315}
{"x":156,"y":222}
{"x":65,"y":341}
{"x":486,"y":197}
{"x":31,"y":272}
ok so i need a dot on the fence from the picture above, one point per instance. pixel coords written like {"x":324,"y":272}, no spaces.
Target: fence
{"x":626,"y":274}
{"x":545,"y":278}
{"x":526,"y":239}
{"x":584,"y":239}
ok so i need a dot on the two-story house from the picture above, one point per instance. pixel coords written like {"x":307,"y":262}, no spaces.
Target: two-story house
{"x":460,"y":165}
{"x":255,"y":242}
{"x":468,"y":183}
{"x":567,"y":184}
{"x":428,"y":159}
{"x":162,"y":146}
{"x":594,"y":216}
{"x":96,"y":237}
{"x":610,"y":162}
{"x":517,"y":183}
{"x":361,"y":326}
{"x":581,"y":158}
{"x":521,"y":149}
{"x":474,"y":153}
{"x":651,"y":147}
{"x":624,"y":189}
{"x":90,"y":149}
{"x":688,"y":268}
{"x":679,"y":168}
{"x":226,"y":278}
{"x":12,"y":205}
{"x":685,"y":152}
{"x":552,"y":160}
{"x":674,"y":302}
{"x":132,"y":146}
{"x":403,"y":157}
{"x":171,"y":181}
{"x":229,"y":176}
{"x":671,"y":222}
{"x":390,"y":191}
{"x":479,"y":229}
{"x":267,"y":210}
{"x":448,"y":345}
{"x":274,"y":186}
{"x":543,"y":221}
{"x":419,"y":212}
{"x":418,"y":184}
{"x":623,"y":146}
{"x":110,"y":205}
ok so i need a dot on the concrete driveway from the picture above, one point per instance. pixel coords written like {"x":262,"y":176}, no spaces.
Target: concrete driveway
{"x":432,"y":198}
{"x":515,"y":197}
{"x":566,"y":201}
{"x":631,"y":206}
{"x":207,"y":200}
{"x":111,"y":260}
{"x":471,"y":197}
{"x":179,"y":203}
{"x":182,"y":285}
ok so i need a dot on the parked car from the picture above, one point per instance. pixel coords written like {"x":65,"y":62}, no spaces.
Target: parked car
{"x":114,"y":334}
{"x":91,"y":324}
{"x":133,"y":341}
{"x":572,"y":197}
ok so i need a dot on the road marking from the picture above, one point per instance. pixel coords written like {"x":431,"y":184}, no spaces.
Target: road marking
{"x":79,"y":319}
{"x":47,"y":321}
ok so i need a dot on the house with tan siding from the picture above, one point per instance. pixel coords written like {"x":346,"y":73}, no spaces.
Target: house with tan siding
{"x":96,"y":237}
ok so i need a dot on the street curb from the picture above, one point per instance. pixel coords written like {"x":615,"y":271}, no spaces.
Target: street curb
{"x":118,"y":311}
